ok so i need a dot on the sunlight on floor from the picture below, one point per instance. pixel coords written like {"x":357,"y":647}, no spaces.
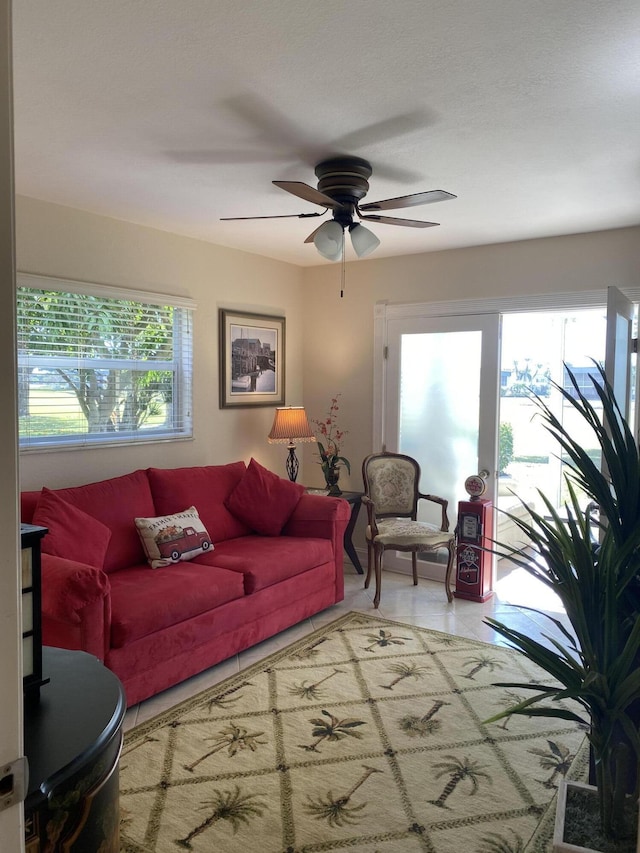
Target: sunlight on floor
{"x":517,"y":586}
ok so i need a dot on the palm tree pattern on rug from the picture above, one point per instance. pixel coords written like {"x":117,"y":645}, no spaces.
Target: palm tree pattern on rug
{"x":366,"y":736}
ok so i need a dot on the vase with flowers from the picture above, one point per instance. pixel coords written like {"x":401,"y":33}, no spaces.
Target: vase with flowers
{"x":328,"y":441}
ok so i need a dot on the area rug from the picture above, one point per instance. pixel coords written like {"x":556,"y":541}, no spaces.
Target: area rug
{"x":367,"y":735}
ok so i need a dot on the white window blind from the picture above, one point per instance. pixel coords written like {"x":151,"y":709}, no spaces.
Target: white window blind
{"x":99,"y":365}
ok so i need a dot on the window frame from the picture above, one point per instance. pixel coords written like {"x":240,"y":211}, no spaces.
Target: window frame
{"x":181,"y":367}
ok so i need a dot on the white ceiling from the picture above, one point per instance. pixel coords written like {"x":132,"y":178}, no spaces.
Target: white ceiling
{"x":174,"y":113}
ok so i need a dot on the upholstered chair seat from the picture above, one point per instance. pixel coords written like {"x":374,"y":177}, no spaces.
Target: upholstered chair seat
{"x":401,"y":531}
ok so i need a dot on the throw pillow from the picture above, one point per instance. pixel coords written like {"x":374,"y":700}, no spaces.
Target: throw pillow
{"x":264,"y":501}
{"x":72,"y":533}
{"x":205,"y":486}
{"x":169,"y":539}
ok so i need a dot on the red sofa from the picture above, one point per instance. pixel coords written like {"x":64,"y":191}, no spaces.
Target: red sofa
{"x":156,"y":627}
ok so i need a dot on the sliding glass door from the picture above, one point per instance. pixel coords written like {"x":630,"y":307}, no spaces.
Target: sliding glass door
{"x":444,"y":377}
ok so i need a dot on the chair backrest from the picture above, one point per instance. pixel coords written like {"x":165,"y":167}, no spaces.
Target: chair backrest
{"x":392,"y":480}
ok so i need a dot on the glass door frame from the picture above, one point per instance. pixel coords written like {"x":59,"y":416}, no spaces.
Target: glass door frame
{"x":385,"y":311}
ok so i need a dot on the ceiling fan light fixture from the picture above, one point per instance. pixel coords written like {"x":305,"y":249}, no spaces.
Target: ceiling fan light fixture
{"x":364,"y":241}
{"x":329,"y":240}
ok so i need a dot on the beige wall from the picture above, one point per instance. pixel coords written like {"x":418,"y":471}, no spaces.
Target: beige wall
{"x":66,"y":243}
{"x":329,"y":340}
{"x":338,"y":342}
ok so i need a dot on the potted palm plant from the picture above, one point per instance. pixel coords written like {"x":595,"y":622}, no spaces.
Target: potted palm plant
{"x":597,"y":578}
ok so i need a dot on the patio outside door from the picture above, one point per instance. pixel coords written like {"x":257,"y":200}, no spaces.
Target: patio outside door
{"x":538,"y":348}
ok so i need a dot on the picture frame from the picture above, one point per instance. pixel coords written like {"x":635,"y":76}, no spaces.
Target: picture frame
{"x":252,"y":359}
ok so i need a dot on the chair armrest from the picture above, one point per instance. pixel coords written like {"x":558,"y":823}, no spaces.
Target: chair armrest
{"x":444,"y":503}
{"x":76,"y":602}
{"x":371,"y":515}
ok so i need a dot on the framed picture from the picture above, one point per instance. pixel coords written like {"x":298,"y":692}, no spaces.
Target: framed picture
{"x":251,"y":360}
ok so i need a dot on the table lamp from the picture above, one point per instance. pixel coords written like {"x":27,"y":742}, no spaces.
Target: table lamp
{"x":290,"y":425}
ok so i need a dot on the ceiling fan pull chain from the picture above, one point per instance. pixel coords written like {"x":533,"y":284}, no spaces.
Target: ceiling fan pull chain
{"x":342,"y":270}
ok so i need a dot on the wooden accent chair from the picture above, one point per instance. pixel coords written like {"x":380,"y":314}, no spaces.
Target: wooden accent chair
{"x":391,"y":495}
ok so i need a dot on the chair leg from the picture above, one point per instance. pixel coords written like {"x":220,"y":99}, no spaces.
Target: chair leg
{"x":378,"y":564}
{"x":450,"y":565}
{"x":370,"y":559}
{"x":414,"y":567}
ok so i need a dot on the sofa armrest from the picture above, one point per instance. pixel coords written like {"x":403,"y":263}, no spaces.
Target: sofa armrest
{"x":320,"y":517}
{"x":76,"y":605}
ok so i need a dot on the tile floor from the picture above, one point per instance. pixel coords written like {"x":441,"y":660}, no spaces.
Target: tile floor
{"x":425,"y":605}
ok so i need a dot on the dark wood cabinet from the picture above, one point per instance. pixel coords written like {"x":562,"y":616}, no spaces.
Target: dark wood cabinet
{"x":73,"y":738}
{"x":30,"y":536}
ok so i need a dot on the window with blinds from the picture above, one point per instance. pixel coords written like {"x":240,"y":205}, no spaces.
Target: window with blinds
{"x":94,"y":369}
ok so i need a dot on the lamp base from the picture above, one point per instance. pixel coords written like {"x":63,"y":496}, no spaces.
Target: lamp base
{"x":292,"y":465}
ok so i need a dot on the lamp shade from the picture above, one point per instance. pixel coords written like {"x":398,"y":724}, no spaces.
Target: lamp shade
{"x":363,"y":240}
{"x":290,"y":425}
{"x":329,"y":240}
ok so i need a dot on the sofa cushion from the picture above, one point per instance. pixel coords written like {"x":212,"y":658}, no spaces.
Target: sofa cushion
{"x":266,"y":560}
{"x":116,"y":502}
{"x":169,"y":539}
{"x":143,"y":602}
{"x":205,"y":487}
{"x":72,"y":533}
{"x":264,"y":501}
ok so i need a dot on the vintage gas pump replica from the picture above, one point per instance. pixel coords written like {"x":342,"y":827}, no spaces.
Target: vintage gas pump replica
{"x":475,"y":528}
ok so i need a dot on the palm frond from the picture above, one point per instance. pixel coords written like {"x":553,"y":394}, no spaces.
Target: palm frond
{"x":598,"y":584}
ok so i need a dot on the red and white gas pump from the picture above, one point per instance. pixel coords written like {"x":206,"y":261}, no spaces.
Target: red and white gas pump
{"x":475,"y":528}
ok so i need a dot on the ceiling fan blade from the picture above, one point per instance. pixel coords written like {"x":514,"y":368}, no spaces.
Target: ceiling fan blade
{"x":381,"y":131}
{"x":277,"y":216}
{"x":408,"y":200}
{"x":215,"y":156}
{"x":397,"y":175}
{"x":306,"y":192}
{"x":394,"y":220}
{"x":313,"y":234}
{"x":271,"y":127}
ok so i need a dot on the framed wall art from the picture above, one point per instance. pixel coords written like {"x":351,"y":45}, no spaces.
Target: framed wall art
{"x":252,"y":349}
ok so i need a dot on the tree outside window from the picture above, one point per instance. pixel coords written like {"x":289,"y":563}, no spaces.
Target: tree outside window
{"x":94,"y":369}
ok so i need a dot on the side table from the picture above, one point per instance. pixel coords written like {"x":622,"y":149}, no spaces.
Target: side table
{"x":72,"y":740}
{"x":355,"y":501}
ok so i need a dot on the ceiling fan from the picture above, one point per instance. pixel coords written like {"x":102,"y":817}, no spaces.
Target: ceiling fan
{"x":342,"y":184}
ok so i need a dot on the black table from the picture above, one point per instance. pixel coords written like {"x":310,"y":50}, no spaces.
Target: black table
{"x":73,"y":737}
{"x":355,"y":500}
